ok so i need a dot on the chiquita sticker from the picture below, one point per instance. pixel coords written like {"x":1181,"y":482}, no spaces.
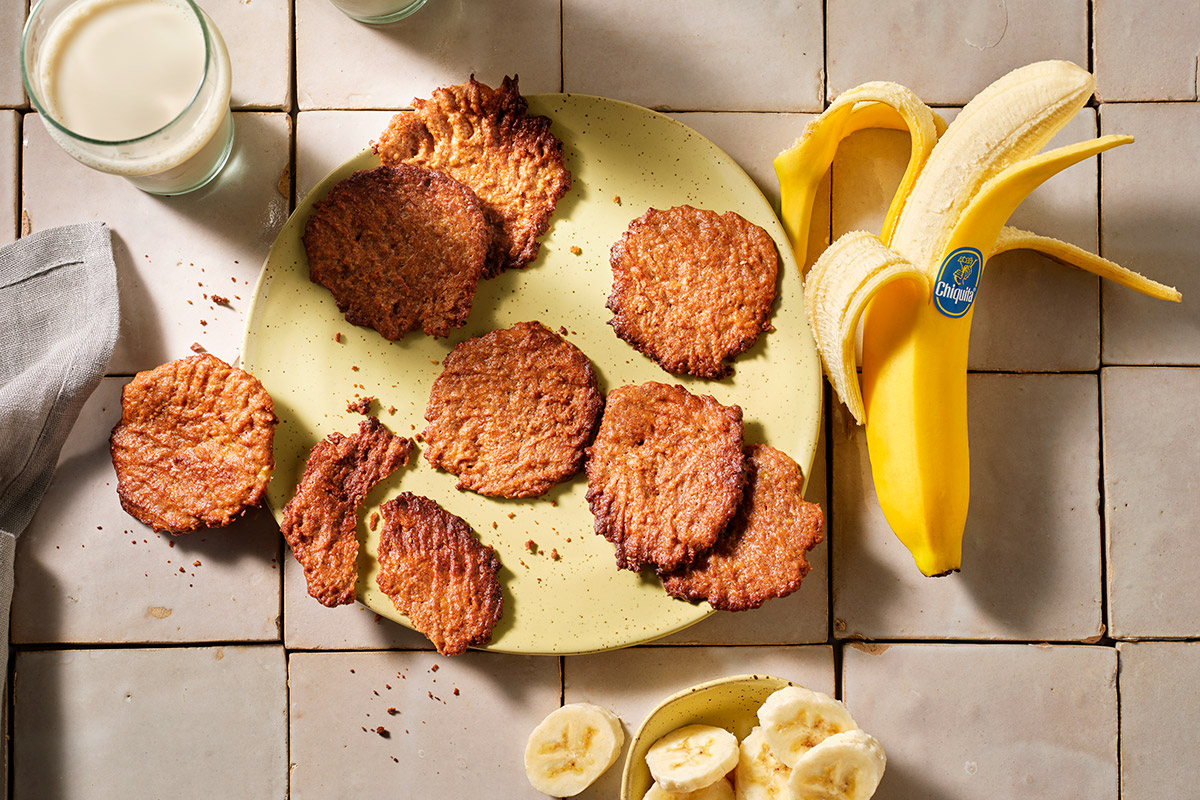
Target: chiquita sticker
{"x":957,"y":281}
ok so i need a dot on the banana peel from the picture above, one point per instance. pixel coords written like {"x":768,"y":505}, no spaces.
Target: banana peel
{"x":914,"y":285}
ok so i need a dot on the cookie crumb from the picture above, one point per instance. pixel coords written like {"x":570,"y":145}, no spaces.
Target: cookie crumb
{"x":197,"y":347}
{"x":220,"y":300}
{"x":576,"y":250}
{"x":373,"y":523}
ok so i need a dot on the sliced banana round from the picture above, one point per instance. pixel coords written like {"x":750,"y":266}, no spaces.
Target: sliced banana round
{"x":795,"y":719}
{"x":692,"y":757}
{"x":721,"y":790}
{"x":571,"y":748}
{"x":759,"y":775}
{"x":846,"y":766}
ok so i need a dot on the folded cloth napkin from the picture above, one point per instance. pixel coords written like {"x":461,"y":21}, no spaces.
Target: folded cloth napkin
{"x":58,"y":324}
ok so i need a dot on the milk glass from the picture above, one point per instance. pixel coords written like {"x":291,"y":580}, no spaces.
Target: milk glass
{"x":136,"y":88}
{"x":378,"y":12}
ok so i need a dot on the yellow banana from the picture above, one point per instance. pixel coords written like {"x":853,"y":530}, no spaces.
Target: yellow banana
{"x":916,"y":283}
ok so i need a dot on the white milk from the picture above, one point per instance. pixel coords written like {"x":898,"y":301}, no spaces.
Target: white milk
{"x":119,"y":70}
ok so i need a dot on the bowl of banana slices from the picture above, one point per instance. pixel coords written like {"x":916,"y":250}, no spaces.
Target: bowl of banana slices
{"x":751,"y":736}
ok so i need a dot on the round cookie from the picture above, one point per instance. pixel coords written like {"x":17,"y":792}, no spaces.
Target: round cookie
{"x":194,"y":444}
{"x":665,"y":474}
{"x":692,"y":288}
{"x":485,"y":138}
{"x":512,"y":412}
{"x":438,"y":574}
{"x":400,"y":248}
{"x":762,"y":555}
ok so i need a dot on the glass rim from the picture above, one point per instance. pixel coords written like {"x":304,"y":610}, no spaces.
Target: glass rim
{"x":48,"y":117}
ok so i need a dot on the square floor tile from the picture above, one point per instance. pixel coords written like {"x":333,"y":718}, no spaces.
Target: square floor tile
{"x":1031,"y":551}
{"x":1150,"y":200}
{"x":1033,"y":313}
{"x":451,"y":727}
{"x":1160,"y":709}
{"x":308,"y":625}
{"x":800,"y":618}
{"x":179,"y":723}
{"x":258,"y":36}
{"x":87,"y":572}
{"x":948,"y":52}
{"x":986,"y":721}
{"x":10,"y":123}
{"x":1146,"y":52}
{"x":12,"y":91}
{"x":631,"y":682}
{"x":1152,"y":500}
{"x":173,"y":254}
{"x":694,"y":55}
{"x":325,"y":139}
{"x":341,"y":63}
{"x":754,"y":140}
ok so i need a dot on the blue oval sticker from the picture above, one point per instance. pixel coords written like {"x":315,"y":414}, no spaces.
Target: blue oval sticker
{"x":957,"y":281}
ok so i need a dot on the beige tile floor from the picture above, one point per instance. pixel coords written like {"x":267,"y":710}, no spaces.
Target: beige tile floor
{"x":1062,"y":661}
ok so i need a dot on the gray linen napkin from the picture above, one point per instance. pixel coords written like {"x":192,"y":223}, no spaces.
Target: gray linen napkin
{"x":58,"y":324}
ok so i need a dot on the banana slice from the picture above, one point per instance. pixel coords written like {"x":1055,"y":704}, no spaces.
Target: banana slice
{"x":795,"y":719}
{"x":571,"y":748}
{"x":721,"y":790}
{"x":692,"y":757}
{"x":846,"y":766}
{"x":759,"y":775}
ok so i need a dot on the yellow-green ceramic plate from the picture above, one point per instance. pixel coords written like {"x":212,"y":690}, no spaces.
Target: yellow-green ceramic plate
{"x":623,"y":159}
{"x":730,"y":703}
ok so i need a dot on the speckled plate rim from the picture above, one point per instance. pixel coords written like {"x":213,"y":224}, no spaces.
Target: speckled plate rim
{"x":699,"y":704}
{"x":682,"y":614}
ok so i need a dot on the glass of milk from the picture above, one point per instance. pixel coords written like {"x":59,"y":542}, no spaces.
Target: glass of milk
{"x":378,"y":12}
{"x":136,"y":88}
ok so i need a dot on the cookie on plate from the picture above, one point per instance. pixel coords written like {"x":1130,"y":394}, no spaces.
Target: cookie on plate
{"x":692,"y":288}
{"x":762,"y":555}
{"x":512,"y":411}
{"x":485,"y":138}
{"x":438,"y":574}
{"x":665,"y":473}
{"x":319,"y":521}
{"x":400,"y":248}
{"x":194,"y":444}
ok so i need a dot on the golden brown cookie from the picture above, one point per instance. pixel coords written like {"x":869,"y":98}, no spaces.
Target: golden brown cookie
{"x":762,"y":555}
{"x":692,"y":288}
{"x":194,"y":444}
{"x":484,"y":138}
{"x":512,"y":412}
{"x":665,"y":474}
{"x":400,"y":248}
{"x":319,"y":522}
{"x":438,"y":574}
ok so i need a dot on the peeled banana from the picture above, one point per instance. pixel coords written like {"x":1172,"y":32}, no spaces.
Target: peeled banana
{"x":914,"y":285}
{"x":795,"y":719}
{"x":692,"y":757}
{"x":805,"y":747}
{"x":846,"y":766}
{"x":572,"y":747}
{"x":760,"y":775}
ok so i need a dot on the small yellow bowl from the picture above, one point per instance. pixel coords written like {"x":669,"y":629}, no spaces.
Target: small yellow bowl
{"x":730,"y":703}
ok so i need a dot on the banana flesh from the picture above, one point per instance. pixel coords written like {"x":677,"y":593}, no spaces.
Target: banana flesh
{"x":572,"y":747}
{"x":914,"y":285}
{"x":805,"y":747}
{"x":692,"y":757}
{"x":845,"y":766}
